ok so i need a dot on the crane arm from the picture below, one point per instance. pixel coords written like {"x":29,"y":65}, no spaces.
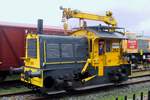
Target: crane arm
{"x":108,"y":19}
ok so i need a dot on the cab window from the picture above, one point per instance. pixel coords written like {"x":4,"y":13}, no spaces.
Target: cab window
{"x":115,"y":46}
{"x":108,"y":46}
{"x":101,"y":47}
{"x":32,"y":48}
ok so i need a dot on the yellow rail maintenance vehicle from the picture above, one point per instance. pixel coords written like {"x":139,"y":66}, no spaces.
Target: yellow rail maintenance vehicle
{"x":90,"y":55}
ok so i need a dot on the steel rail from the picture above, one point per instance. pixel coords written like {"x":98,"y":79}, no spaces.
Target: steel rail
{"x":131,"y":81}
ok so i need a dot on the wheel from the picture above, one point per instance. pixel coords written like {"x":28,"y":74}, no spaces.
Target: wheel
{"x":68,"y":86}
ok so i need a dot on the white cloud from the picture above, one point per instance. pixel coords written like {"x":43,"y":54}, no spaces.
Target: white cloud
{"x":131,"y":14}
{"x":143,"y":26}
{"x":137,"y":6}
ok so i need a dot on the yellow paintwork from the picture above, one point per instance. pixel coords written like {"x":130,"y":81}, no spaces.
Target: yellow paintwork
{"x":86,"y":66}
{"x":107,"y":59}
{"x":108,"y":19}
{"x":34,"y":63}
{"x":88,"y":78}
{"x":35,"y":81}
{"x":112,"y":59}
{"x":66,"y":62}
{"x":99,"y":62}
{"x":141,"y":51}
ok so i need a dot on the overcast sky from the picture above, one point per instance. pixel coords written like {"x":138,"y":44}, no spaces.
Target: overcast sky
{"x":134,"y":15}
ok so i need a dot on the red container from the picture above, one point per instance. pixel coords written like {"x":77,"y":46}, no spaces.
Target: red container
{"x":12,"y":43}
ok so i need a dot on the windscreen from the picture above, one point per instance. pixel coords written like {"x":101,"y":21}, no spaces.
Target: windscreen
{"x":32,"y":48}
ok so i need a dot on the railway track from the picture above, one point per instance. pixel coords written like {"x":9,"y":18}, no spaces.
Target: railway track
{"x":12,"y":87}
{"x":96,"y":88}
{"x":17,"y":94}
{"x":132,"y":80}
{"x":141,"y":69}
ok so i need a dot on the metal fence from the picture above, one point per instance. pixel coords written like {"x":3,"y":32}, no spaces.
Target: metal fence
{"x":141,"y":97}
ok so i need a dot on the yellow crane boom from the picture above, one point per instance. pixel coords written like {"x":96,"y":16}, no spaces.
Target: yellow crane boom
{"x":108,"y":18}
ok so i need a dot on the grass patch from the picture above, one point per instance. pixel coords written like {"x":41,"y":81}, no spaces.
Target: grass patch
{"x":13,"y":90}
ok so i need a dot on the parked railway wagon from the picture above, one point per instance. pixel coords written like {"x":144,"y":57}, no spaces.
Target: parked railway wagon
{"x":137,"y":50}
{"x":12,"y":43}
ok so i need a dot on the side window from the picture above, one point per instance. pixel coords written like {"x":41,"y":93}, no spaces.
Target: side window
{"x":52,"y":51}
{"x":90,"y":45}
{"x":67,"y":50}
{"x":101,"y":47}
{"x":115,"y":46}
{"x":32,"y":48}
{"x":108,"y":46}
{"x":81,"y":50}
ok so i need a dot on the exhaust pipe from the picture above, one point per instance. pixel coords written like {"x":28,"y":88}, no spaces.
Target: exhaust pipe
{"x":40,"y":26}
